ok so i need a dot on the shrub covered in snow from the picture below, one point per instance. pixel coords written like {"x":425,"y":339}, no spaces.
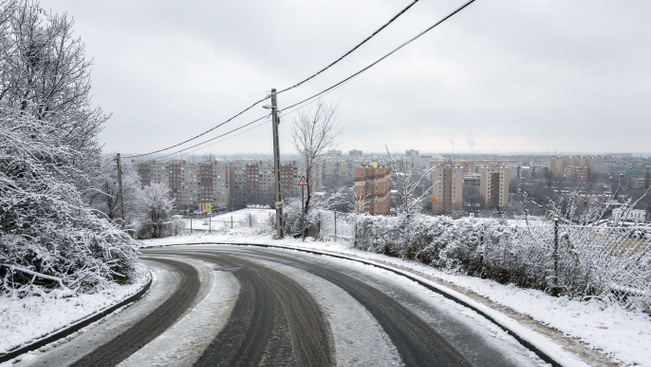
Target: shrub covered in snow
{"x":49,"y":237}
{"x":577,"y":261}
{"x":292,"y":217}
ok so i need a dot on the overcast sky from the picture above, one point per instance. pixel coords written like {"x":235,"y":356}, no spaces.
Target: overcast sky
{"x":501,"y":76}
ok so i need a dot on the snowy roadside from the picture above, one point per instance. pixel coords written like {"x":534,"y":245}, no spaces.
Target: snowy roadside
{"x":26,"y":320}
{"x":622,"y":336}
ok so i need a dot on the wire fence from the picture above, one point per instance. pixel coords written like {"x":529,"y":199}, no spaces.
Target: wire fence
{"x":222,"y":223}
{"x":601,"y":262}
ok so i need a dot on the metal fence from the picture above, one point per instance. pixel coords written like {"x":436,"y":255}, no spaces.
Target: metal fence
{"x":225,"y":222}
{"x":561,"y":259}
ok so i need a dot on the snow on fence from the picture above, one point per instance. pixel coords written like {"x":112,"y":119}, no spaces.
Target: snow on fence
{"x":576,"y":261}
{"x":259,"y":219}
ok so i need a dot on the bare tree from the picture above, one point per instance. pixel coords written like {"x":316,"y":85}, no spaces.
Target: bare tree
{"x":406,"y":181}
{"x":103,"y":193}
{"x":359,"y":203}
{"x":315,"y":132}
{"x":44,"y":72}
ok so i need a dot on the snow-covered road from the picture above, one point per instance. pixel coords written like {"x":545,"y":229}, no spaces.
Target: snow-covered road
{"x":355,"y":314}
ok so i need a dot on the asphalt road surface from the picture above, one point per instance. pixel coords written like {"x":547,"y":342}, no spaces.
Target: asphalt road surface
{"x":224,"y":305}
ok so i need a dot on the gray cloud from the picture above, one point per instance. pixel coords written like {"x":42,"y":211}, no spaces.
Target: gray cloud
{"x":521,"y":76}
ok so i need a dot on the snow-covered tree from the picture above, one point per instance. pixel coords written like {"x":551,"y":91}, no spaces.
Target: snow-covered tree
{"x":44,"y":73}
{"x":103,"y":194}
{"x":315,"y":132}
{"x":49,"y":237}
{"x":359,"y":203}
{"x":155,"y":208}
{"x":406,"y":180}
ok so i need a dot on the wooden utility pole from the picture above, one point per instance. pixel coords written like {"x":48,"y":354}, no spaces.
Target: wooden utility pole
{"x":120,"y":196}
{"x":279,"y":195}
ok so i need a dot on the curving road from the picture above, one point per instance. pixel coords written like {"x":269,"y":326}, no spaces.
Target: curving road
{"x":225,"y":305}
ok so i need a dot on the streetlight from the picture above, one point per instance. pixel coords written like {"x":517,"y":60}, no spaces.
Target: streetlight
{"x":279,"y":196}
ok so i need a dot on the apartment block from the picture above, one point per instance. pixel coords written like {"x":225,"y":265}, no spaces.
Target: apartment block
{"x":254,"y":182}
{"x":447,"y":189}
{"x":233,"y":185}
{"x":557,"y":164}
{"x":373,"y":184}
{"x":576,"y":173}
{"x":214,"y":184}
{"x":494,"y":189}
{"x":152,"y":172}
{"x":184,"y":184}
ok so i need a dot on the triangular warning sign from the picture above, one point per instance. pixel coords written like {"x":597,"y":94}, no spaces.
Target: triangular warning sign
{"x":302,"y":182}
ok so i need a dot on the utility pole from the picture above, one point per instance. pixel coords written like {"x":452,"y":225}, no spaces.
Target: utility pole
{"x":279,"y":195}
{"x":120,"y":196}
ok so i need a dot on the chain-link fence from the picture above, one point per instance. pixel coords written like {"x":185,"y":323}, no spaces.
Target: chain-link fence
{"x":577,"y":261}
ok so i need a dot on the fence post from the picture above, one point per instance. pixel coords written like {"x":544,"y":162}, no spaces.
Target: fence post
{"x":209,"y":224}
{"x":190,"y":223}
{"x":231,"y":222}
{"x":335,"y":225}
{"x":250,"y":220}
{"x":555,"y":285}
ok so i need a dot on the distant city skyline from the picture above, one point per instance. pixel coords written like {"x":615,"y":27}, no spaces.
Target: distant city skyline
{"x":511,"y":76}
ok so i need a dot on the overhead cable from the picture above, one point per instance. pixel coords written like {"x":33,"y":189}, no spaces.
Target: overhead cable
{"x":383,"y":57}
{"x":203,"y":133}
{"x":209,"y":140}
{"x":351,"y":51}
{"x":283,"y":90}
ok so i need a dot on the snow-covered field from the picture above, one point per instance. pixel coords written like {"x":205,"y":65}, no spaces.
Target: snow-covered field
{"x":238,"y":220}
{"x":622,"y":335}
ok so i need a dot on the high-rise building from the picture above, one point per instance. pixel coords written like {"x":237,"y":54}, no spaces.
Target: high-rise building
{"x":214,"y":184}
{"x":557,"y":164}
{"x":494,"y":190}
{"x":184,"y":184}
{"x":447,"y":189}
{"x":355,"y":153}
{"x":254,"y":182}
{"x":373,"y":187}
{"x":152,"y":172}
{"x":576,"y":173}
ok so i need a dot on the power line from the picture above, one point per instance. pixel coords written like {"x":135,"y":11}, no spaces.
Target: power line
{"x":211,"y":139}
{"x":327,"y":90}
{"x":282,"y":91}
{"x":352,"y":50}
{"x":230,"y":137}
{"x":383,"y":57}
{"x":203,"y":133}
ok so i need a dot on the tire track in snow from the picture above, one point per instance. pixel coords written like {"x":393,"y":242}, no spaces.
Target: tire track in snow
{"x":154,"y":324}
{"x":416,"y":342}
{"x":274,"y":322}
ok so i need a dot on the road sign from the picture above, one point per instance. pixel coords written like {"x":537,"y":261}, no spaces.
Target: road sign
{"x":302,"y":182}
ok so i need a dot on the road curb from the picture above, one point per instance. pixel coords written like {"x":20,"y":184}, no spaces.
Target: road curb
{"x":73,"y":328}
{"x":522,"y":340}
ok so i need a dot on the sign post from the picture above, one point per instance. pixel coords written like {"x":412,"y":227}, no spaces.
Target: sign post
{"x":302,"y":183}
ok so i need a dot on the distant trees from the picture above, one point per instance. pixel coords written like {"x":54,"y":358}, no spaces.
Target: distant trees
{"x":315,"y":132}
